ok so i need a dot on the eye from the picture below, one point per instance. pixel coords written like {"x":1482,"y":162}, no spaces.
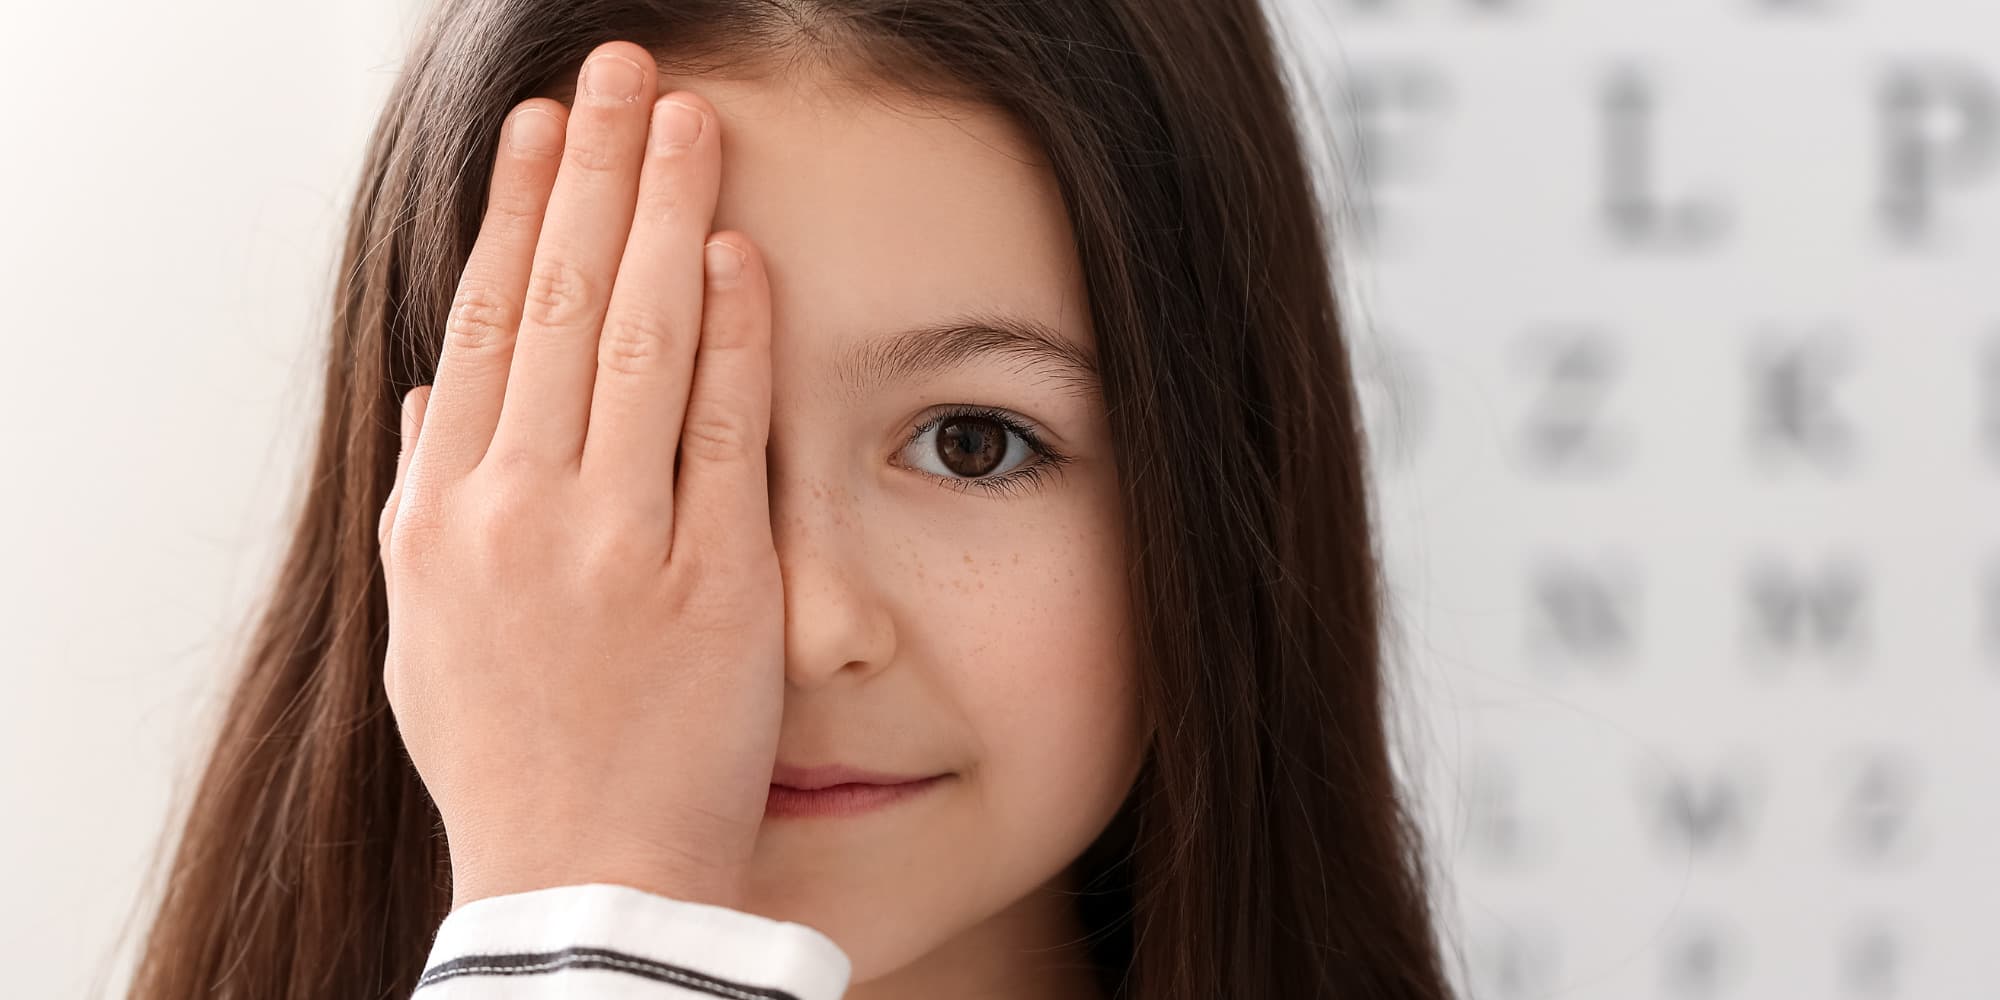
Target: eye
{"x":962,"y":446}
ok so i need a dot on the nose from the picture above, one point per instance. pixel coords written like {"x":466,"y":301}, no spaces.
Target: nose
{"x":836,"y":622}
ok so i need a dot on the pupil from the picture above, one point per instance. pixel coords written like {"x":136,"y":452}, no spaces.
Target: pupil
{"x":971,"y":446}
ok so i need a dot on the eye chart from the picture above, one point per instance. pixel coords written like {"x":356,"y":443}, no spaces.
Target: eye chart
{"x":1677,"y":326}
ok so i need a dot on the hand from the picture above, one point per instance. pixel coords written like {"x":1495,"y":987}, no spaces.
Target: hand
{"x":586,"y":633}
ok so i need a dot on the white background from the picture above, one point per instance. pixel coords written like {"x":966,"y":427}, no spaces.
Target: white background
{"x":176,"y":176}
{"x":175,"y":179}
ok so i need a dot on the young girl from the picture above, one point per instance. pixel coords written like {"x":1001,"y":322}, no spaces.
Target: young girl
{"x":879,"y":511}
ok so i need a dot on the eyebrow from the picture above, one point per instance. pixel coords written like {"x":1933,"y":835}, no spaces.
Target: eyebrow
{"x":938,"y":347}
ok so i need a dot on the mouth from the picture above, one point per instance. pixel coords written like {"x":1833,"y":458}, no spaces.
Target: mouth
{"x":848,"y":798}
{"x":829,"y":775}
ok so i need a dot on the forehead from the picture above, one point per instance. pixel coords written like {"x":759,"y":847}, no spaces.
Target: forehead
{"x":877,"y":213}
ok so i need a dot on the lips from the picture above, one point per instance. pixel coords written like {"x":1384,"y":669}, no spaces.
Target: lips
{"x":843,"y":799}
{"x":829,"y":775}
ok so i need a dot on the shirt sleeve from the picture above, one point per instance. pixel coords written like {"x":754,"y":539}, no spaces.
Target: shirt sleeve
{"x":614,"y":942}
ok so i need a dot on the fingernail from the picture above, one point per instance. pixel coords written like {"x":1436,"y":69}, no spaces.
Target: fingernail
{"x":725,"y":262}
{"x":676,"y":126}
{"x":535,"y":132}
{"x":614,"y":78}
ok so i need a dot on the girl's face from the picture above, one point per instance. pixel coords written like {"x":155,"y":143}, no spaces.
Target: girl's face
{"x":934,"y":622}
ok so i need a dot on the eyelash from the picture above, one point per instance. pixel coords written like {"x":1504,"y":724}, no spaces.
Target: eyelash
{"x":1020,"y":480}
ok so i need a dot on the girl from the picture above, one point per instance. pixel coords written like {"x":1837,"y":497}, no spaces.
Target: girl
{"x":880,"y":511}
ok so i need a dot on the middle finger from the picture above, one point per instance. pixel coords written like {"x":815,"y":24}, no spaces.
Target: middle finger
{"x":646,"y":349}
{"x":547,"y":403}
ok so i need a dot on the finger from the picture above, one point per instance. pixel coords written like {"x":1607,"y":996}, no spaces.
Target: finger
{"x":576,"y":259}
{"x":645,"y":352}
{"x":417,"y":404}
{"x":720,"y":496}
{"x":479,"y":338}
{"x":412,"y":428}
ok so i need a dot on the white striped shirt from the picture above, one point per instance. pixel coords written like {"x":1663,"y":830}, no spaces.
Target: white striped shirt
{"x":616,"y":942}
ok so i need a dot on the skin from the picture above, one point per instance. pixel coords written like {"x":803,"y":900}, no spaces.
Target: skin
{"x":923,"y":629}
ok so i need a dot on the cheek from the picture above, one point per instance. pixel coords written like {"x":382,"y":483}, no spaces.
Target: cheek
{"x":1042,"y":668}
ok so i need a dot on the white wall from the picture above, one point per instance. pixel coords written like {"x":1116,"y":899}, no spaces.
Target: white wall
{"x":175,"y":176}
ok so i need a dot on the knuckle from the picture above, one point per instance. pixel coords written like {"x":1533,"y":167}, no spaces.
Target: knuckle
{"x":492,"y":533}
{"x":714,"y":438}
{"x":513,"y":205}
{"x":594,"y":150}
{"x":633,"y":516}
{"x":559,"y":291}
{"x":612,"y":556}
{"x":507,"y":527}
{"x":667,"y":198}
{"x":408,"y":535}
{"x":634,"y":341}
{"x":481,"y":319}
{"x":508,"y":466}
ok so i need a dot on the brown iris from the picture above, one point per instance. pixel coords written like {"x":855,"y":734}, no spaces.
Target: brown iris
{"x":970,"y":445}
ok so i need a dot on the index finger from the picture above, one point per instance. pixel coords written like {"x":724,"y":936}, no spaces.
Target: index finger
{"x":471,"y":381}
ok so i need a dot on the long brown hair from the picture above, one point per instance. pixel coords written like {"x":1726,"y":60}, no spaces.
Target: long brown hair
{"x":1265,"y":850}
